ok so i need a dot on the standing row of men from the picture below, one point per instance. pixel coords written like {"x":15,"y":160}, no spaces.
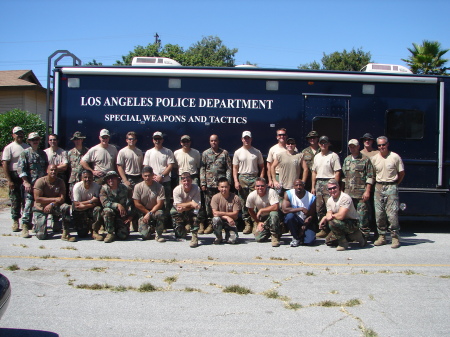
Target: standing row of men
{"x":260,"y":206}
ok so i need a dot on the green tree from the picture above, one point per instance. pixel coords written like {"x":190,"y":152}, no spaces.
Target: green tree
{"x":353,"y":60}
{"x":93,"y":63}
{"x":29,"y":122}
{"x":427,"y":58}
{"x":210,"y":51}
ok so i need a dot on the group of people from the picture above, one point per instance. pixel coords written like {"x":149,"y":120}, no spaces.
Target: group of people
{"x":106,"y":193}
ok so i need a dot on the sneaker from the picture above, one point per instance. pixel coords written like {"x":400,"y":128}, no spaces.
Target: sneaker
{"x":295,"y":243}
{"x":217,"y":241}
{"x":232,"y":238}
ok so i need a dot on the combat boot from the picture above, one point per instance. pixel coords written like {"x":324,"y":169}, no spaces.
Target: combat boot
{"x":15,"y":226}
{"x":358,"y":236}
{"x":395,"y":241}
{"x":25,"y":231}
{"x":248,"y":228}
{"x":97,"y":236}
{"x":194,"y":240}
{"x":109,"y":238}
{"x":380,"y":241}
{"x":275,"y":241}
{"x":66,"y":236}
{"x":159,"y":238}
{"x":218,"y":239}
{"x":201,"y":230}
{"x":342,"y":245}
{"x":208,"y":229}
{"x":322,"y":234}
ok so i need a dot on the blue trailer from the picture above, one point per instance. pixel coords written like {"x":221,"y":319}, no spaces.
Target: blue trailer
{"x":199,"y":101}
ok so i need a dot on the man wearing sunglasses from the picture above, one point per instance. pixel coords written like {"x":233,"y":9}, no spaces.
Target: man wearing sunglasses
{"x":390,"y":172}
{"x":102,"y":157}
{"x":279,"y":147}
{"x":188,"y":159}
{"x":341,"y":217}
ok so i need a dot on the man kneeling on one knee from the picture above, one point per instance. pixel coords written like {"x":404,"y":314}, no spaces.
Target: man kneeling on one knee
{"x":300,"y":208}
{"x":49,"y":196}
{"x":266,"y":203}
{"x":341,"y":217}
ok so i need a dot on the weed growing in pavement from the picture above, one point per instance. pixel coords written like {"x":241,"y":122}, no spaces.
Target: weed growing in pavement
{"x":171,"y":279}
{"x":169,"y":261}
{"x":293,"y":306}
{"x":41,"y":247}
{"x":234,"y":272}
{"x":119,"y":288}
{"x":371,"y":297}
{"x":7,"y":234}
{"x":310,"y":273}
{"x":367,"y":332}
{"x":334,"y":292}
{"x":237,"y":289}
{"x":69,"y":248}
{"x":147,"y":287}
{"x":271,"y":294}
{"x":385,"y":271}
{"x":210,"y":258}
{"x":99,"y":269}
{"x":33,"y":268}
{"x":189,"y":290}
{"x":444,"y":276}
{"x":352,"y":303}
{"x":328,"y":304}
{"x":409,"y":272}
{"x":94,"y":286}
{"x":258,"y":258}
{"x":71,"y":281}
{"x":21,"y":245}
{"x":273,"y":258}
{"x":13,"y":267}
{"x":108,"y":258}
{"x":48,"y":256}
{"x":364,"y":271}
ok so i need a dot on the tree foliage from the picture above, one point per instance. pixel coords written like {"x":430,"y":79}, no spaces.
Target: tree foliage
{"x":353,"y":60}
{"x":427,"y":58}
{"x":210,"y":51}
{"x":29,"y":122}
{"x":93,"y":63}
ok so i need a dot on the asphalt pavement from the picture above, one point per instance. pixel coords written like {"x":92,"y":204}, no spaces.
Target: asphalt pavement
{"x":146,"y":288}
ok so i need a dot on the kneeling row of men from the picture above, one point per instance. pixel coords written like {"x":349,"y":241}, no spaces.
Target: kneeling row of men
{"x":108,"y":206}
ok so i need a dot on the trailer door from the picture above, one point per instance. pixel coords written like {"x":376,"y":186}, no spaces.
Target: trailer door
{"x":328,"y":115}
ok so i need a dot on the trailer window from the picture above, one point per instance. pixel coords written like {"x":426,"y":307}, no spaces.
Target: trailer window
{"x":331,"y":127}
{"x":404,"y":124}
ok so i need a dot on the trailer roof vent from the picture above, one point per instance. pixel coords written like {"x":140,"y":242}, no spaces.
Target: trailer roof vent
{"x":386,"y":68}
{"x":154,"y":61}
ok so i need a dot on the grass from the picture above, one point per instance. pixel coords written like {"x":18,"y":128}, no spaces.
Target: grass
{"x":171,"y":279}
{"x":334,"y":292}
{"x":352,"y":303}
{"x":99,"y":269}
{"x":273,"y":258}
{"x":69,"y":248}
{"x":147,"y":287}
{"x":444,"y":276}
{"x":94,"y":286}
{"x":271,"y":294}
{"x":293,"y":306}
{"x":310,"y":273}
{"x":48,"y":256}
{"x":189,"y":290}
{"x":41,"y":247}
{"x":237,"y":289}
{"x":328,"y":304}
{"x":33,"y":268}
{"x":13,"y":267}
{"x":108,"y":258}
{"x":409,"y":272}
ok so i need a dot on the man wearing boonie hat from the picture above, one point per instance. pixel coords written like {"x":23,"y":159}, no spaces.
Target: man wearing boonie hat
{"x":326,"y":166}
{"x":74,"y":157}
{"x":359,"y":177}
{"x":102,"y":157}
{"x":32,"y":165}
{"x":10,"y":157}
{"x":309,"y":153}
{"x":161,"y":160}
{"x":247,"y":162}
{"x":367,"y":141}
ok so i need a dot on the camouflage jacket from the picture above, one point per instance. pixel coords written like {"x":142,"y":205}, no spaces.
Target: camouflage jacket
{"x":308,"y":156}
{"x":357,"y":173}
{"x":112,"y":199}
{"x":214,"y":166}
{"x":74,"y":162}
{"x":32,"y":164}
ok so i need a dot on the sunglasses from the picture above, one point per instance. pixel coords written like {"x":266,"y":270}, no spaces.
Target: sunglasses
{"x":105,"y":137}
{"x":379,"y":145}
{"x":281,"y":135}
{"x":131,"y":138}
{"x":157,"y":139}
{"x":332,"y":188}
{"x":260,"y":185}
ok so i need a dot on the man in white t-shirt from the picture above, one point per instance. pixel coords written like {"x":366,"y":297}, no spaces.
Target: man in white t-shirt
{"x":86,"y":211}
{"x":247,"y":162}
{"x":341,"y":217}
{"x":263,"y":205}
{"x":300,"y":208}
{"x":10,"y":157}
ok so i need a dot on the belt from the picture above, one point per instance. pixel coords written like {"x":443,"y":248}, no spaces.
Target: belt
{"x":248,"y":174}
{"x":323,"y":178}
{"x":387,"y":182}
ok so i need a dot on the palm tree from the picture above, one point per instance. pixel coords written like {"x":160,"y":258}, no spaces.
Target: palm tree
{"x":427,"y":58}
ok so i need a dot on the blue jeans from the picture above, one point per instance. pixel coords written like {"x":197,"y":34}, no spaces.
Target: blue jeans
{"x":295,"y":224}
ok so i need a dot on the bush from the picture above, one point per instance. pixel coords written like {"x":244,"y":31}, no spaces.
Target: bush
{"x":29,"y":122}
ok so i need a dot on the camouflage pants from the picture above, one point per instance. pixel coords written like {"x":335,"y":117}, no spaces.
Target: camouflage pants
{"x":16,"y":195}
{"x":322,"y":195}
{"x":363,"y":209}
{"x":386,"y":208}
{"x":219,"y":224}
{"x":40,"y":219}
{"x":247,"y":182}
{"x":167,"y":203}
{"x":271,"y":226}
{"x":341,"y":228}
{"x":28,"y":208}
{"x":180,"y":220}
{"x":114,"y":223}
{"x":87,"y":220}
{"x":208,"y":194}
{"x":156,"y":224}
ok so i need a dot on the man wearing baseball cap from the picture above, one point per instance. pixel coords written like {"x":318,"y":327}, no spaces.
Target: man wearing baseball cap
{"x":102,"y":157}
{"x":32,"y":165}
{"x":74,"y":157}
{"x":188,"y":159}
{"x":367,"y":141}
{"x":247,"y":161}
{"x":10,"y":158}
{"x":309,"y":153}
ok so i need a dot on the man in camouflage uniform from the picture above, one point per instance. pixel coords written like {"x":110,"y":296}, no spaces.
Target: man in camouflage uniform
{"x":390,"y":172}
{"x":49,"y":196}
{"x":358,"y":179}
{"x":115,"y":200}
{"x":216,"y":163}
{"x":247,"y":161}
{"x":309,"y":153}
{"x":10,"y":158}
{"x":86,"y":210}
{"x":74,"y":157}
{"x":32,"y":165}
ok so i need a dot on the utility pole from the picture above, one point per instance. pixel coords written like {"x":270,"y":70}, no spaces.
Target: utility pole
{"x":157,"y":39}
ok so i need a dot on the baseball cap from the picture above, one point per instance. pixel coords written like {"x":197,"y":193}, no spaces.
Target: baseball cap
{"x":324,"y":139}
{"x":104,"y":132}
{"x":367,"y":136}
{"x":111,"y":174}
{"x":290,"y":140}
{"x":312,"y":134}
{"x":353,"y":142}
{"x":246,"y":134}
{"x":185,"y":137}
{"x":33,"y":135}
{"x":17,"y":129}
{"x":158,"y":134}
{"x":77,"y":135}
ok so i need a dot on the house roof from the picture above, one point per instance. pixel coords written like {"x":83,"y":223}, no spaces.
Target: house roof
{"x":18,"y":78}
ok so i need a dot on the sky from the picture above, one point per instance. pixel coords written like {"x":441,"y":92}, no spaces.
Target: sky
{"x":272,"y":34}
